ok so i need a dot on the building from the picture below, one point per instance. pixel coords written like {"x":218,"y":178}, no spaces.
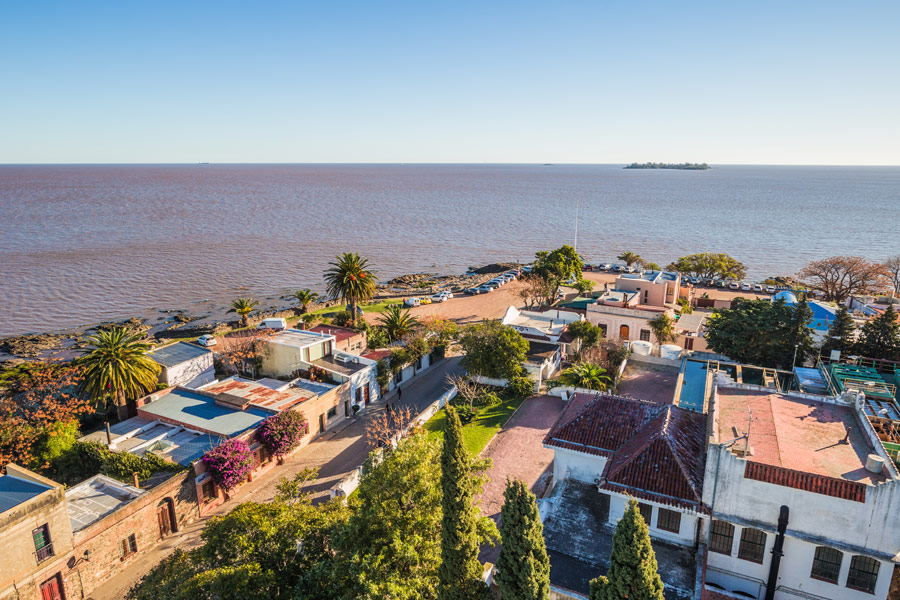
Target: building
{"x":345,"y":339}
{"x":691,"y":331}
{"x":59,"y":544}
{"x":542,"y":360}
{"x":547,"y":326}
{"x":621,"y":316}
{"x":655,"y":288}
{"x":184,"y":364}
{"x":313,"y":355}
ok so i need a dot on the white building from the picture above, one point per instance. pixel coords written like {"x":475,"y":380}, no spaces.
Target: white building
{"x":184,"y":364}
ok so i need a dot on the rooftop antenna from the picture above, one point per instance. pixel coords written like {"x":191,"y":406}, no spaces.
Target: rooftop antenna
{"x":747,"y":437}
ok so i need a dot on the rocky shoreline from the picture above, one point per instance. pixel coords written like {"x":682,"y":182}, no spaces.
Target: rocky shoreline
{"x":167,"y":324}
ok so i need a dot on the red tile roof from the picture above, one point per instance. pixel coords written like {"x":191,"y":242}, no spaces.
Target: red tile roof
{"x":340,"y":333}
{"x":377,"y":355}
{"x":656,"y":452}
{"x":809,"y":482}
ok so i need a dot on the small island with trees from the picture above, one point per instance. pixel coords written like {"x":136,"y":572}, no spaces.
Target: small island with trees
{"x":679,"y":166}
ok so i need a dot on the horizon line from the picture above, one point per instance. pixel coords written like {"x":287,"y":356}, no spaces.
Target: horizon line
{"x":404,"y":163}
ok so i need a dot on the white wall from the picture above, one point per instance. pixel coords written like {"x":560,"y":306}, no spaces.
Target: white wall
{"x":687,"y":534}
{"x":576,"y":465}
{"x":192,"y":373}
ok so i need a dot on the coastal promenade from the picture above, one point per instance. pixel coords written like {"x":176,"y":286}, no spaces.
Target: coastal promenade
{"x":336,"y":454}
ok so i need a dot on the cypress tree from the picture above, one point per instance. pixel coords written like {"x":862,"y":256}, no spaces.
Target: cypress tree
{"x":632,"y":567}
{"x":840,"y":332}
{"x":880,"y":337}
{"x":800,"y":333}
{"x":523,"y":569}
{"x":459,"y":576}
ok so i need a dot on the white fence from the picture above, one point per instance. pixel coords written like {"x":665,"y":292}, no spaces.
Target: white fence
{"x":350,"y":481}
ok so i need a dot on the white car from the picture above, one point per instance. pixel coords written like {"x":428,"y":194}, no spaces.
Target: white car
{"x":745,"y":287}
{"x":770,"y":289}
{"x":411,"y":302}
{"x":758,"y":288}
{"x":734,"y":285}
{"x":439,"y":297}
{"x":207,"y":340}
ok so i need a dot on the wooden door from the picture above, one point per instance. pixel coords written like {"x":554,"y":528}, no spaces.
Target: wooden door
{"x":165,"y":523}
{"x":322,"y":423}
{"x":624,"y":332}
{"x":52,"y":589}
{"x":367,"y":394}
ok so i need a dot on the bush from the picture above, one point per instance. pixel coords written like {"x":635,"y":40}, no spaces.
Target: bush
{"x":86,"y":459}
{"x":377,"y":337}
{"x":488,"y":399}
{"x":343,"y":319}
{"x":521,"y":387}
{"x":229,"y":463}
{"x":466,"y":414}
{"x":282,"y":432}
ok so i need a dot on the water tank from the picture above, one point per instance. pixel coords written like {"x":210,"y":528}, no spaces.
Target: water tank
{"x":641,"y":347}
{"x":874,"y":463}
{"x":670,"y":351}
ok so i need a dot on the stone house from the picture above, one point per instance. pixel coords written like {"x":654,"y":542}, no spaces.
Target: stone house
{"x":184,"y":364}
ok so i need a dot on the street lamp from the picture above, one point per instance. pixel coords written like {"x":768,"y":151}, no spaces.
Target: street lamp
{"x":794,"y":362}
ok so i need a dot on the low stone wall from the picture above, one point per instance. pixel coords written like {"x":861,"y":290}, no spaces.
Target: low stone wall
{"x":655,"y":361}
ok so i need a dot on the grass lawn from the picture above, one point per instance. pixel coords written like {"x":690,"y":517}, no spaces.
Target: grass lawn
{"x":479,"y":432}
{"x":375,"y":307}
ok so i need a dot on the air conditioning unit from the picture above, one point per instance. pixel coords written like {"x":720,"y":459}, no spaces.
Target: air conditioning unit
{"x":342,"y":358}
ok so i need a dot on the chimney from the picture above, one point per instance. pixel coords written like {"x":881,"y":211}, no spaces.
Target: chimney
{"x":137,"y":482}
{"x":108,"y":434}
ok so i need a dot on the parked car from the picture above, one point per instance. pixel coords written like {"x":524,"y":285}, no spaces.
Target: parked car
{"x":273,"y":323}
{"x":618,"y":268}
{"x":770,"y":289}
{"x":448,"y":294}
{"x":412,"y":302}
{"x":424,"y":300}
{"x":734,"y":285}
{"x":757,"y":288}
{"x":207,"y":340}
{"x":484,"y":289}
{"x":745,"y":287}
{"x":472,"y":291}
{"x":439,"y":297}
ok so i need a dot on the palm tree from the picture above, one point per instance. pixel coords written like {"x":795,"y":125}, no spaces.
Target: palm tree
{"x":305,"y":297}
{"x":351,"y":280}
{"x":397,"y":322}
{"x":630,"y":258}
{"x":243,"y":307}
{"x":586,"y":375}
{"x":115,"y":362}
{"x":663,"y":328}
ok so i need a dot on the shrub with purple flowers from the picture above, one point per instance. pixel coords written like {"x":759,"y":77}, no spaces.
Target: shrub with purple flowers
{"x":228,"y":463}
{"x":282,"y":432}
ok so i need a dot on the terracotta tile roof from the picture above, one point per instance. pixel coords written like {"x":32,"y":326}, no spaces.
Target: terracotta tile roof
{"x":377,"y":355}
{"x":340,"y":333}
{"x":655,"y":451}
{"x":809,"y":482}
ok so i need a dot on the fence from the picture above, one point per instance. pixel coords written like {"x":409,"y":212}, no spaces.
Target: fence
{"x":347,"y":484}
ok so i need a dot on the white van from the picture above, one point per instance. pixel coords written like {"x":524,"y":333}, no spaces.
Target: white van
{"x":412,"y":302}
{"x":273,"y":323}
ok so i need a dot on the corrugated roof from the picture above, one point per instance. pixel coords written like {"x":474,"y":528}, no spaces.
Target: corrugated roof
{"x":199,"y":411}
{"x":15,"y":491}
{"x":93,"y":499}
{"x":177,"y":353}
{"x":340,"y":333}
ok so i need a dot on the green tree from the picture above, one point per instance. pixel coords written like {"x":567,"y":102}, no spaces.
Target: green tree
{"x":799,"y":334}
{"x":493,"y":349}
{"x":554,"y":267}
{"x":397,"y":322}
{"x":304,"y":298}
{"x":652,"y":266}
{"x":630,"y":258}
{"x":115,"y":363}
{"x":391,"y":545}
{"x":880,"y":337}
{"x":459,"y":576}
{"x":586,"y":375}
{"x":632,"y":566}
{"x":841,"y":332}
{"x":243,"y":307}
{"x":589,"y":334}
{"x":523,"y":569}
{"x":708,"y":265}
{"x":685,"y":305}
{"x":663,"y":327}
{"x":583,"y":285}
{"x":351,"y":280}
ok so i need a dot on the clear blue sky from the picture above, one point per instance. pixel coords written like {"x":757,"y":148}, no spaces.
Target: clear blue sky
{"x":380,"y":81}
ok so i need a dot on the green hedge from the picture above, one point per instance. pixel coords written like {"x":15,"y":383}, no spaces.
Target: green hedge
{"x":86,"y":459}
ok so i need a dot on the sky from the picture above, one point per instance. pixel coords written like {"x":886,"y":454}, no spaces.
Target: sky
{"x":505,"y":82}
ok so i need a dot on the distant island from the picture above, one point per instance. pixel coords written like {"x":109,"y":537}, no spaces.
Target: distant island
{"x":680,"y":166}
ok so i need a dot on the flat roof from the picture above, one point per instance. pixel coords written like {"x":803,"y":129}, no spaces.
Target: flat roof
{"x":171,"y":442}
{"x":796,"y":433}
{"x":93,"y":499}
{"x":651,"y":276}
{"x":15,"y":491}
{"x":341,"y":368}
{"x":690,"y":322}
{"x":540,"y":351}
{"x":175,"y":354}
{"x":339,"y":333}
{"x":271,"y":394}
{"x":200,"y":411}
{"x":617,"y":296}
{"x":298,"y":338}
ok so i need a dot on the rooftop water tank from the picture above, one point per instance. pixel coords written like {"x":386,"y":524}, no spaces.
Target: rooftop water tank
{"x":641,"y":347}
{"x":874,"y":463}
{"x":670,"y":351}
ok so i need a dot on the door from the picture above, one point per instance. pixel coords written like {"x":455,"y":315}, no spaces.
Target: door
{"x":367,"y":395}
{"x":52,"y":589}
{"x":165,"y":523}
{"x":624,"y":332}
{"x":322,"y":423}
{"x":347,"y":412}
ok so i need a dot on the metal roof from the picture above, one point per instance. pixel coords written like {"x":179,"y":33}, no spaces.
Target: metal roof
{"x":93,"y":499}
{"x":15,"y":491}
{"x":200,"y":411}
{"x":177,"y":353}
{"x":299,"y":338}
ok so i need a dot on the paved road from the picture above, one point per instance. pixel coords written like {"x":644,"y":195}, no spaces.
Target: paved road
{"x":336,"y":453}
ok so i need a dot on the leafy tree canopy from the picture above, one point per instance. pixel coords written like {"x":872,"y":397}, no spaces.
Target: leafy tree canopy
{"x":708,"y":265}
{"x":555,"y":267}
{"x":880,"y":337}
{"x":493,"y":349}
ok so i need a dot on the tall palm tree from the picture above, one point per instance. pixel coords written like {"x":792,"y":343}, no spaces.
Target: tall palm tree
{"x":115,"y":363}
{"x":663,"y":328}
{"x":397,"y":322}
{"x":305,"y":297}
{"x":630,"y":258}
{"x":586,"y":375}
{"x":243,"y":307}
{"x":351,"y":280}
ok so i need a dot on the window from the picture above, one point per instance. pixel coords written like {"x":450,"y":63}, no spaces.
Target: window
{"x":332,"y":412}
{"x":668,"y":520}
{"x":688,"y":343}
{"x":826,"y":564}
{"x":208,"y":489}
{"x":43,"y":548}
{"x":863,"y":574}
{"x":721,"y":537}
{"x":418,"y":363}
{"x":645,"y":335}
{"x":753,"y":545}
{"x":128,"y":546}
{"x":646,"y":511}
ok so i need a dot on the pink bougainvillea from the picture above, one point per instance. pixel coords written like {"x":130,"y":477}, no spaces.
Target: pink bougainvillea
{"x":228,"y":463}
{"x":282,"y":432}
